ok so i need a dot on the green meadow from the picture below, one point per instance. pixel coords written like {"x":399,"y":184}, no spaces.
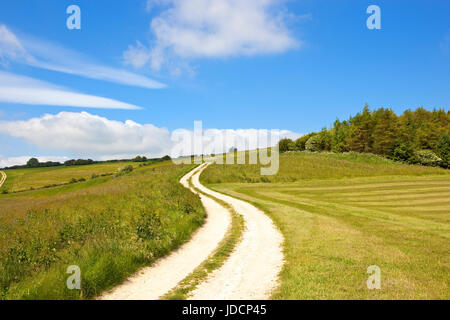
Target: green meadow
{"x":25,"y":179}
{"x":341,"y":213}
{"x":109,"y":226}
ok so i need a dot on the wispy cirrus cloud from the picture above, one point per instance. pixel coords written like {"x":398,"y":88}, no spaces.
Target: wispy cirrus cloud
{"x":45,"y":55}
{"x":25,"y":90}
{"x":214,"y":29}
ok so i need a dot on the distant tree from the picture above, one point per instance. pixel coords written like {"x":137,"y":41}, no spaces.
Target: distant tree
{"x":404,"y":152}
{"x":301,"y":142}
{"x":284,"y":144}
{"x":139,"y":159}
{"x":360,"y":135}
{"x":324,"y":140}
{"x":33,"y":163}
{"x":339,"y":135}
{"x":166,"y":158}
{"x":292,"y":146}
{"x":385,"y":132}
{"x":78,"y":162}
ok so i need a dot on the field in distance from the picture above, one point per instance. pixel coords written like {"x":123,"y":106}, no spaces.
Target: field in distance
{"x":341,"y":213}
{"x":25,"y":179}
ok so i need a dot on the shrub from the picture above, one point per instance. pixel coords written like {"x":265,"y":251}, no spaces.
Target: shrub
{"x":427,"y":158}
{"x":124,"y":170}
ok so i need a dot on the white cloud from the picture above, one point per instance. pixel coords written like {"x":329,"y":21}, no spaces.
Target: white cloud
{"x":25,"y":90}
{"x":84,"y":134}
{"x":216,"y":29}
{"x":137,"y":56}
{"x":45,"y":55}
{"x":10,"y":47}
{"x":90,"y":136}
{"x":155,"y":3}
{"x":19,"y":161}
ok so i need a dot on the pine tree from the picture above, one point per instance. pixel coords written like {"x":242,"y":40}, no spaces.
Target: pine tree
{"x":385,"y":133}
{"x":361,"y":126}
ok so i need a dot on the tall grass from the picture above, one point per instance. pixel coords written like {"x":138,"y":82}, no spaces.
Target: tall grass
{"x":109,"y":227}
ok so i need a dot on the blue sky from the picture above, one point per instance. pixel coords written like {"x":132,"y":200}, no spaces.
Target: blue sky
{"x":293,"y":65}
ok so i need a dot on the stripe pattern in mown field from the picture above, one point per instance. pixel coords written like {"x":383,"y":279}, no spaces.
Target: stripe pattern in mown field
{"x":335,"y":229}
{"x":414,"y":199}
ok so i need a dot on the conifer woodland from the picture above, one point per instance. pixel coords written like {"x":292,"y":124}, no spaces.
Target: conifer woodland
{"x":416,"y":137}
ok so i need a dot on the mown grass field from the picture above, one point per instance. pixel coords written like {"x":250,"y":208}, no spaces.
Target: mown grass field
{"x":108,"y":226}
{"x":24,"y":179}
{"x":340,"y":213}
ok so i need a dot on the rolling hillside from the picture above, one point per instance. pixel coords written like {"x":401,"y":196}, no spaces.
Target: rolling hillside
{"x":340,"y":213}
{"x":108,"y":226}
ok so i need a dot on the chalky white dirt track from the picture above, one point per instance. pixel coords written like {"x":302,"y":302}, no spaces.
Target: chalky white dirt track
{"x":152,"y":282}
{"x":251,"y":271}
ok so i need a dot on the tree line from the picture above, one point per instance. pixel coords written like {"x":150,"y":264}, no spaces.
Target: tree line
{"x":34,"y":162}
{"x":416,"y":137}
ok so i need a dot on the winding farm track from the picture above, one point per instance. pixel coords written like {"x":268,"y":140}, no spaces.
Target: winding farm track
{"x":251,"y":271}
{"x":154,"y":281}
{"x":3,"y":178}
